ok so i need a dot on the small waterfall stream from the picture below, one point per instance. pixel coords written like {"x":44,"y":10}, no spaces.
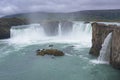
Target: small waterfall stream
{"x":59,"y":30}
{"x":105,"y":51}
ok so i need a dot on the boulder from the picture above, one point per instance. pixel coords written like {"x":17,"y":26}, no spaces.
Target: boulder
{"x":53,"y":52}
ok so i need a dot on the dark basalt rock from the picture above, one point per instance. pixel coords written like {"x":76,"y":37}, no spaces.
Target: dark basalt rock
{"x":50,"y":45}
{"x":4,"y":32}
{"x":86,"y":22}
{"x":53,"y":52}
{"x":7,"y":23}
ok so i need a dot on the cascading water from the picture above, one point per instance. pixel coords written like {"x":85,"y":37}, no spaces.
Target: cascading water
{"x":18,"y":60}
{"x":81,"y":28}
{"x":88,"y":28}
{"x":105,"y":51}
{"x":59,"y":30}
{"x":82,"y":32}
{"x":35,"y":33}
{"x":26,"y":33}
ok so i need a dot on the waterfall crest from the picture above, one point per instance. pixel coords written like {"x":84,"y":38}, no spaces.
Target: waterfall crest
{"x":78,"y":32}
{"x":26,"y":33}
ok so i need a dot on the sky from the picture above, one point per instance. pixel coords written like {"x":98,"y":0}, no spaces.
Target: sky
{"x":8,"y":7}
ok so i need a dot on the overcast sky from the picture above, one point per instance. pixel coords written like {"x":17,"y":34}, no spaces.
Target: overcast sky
{"x":19,"y":6}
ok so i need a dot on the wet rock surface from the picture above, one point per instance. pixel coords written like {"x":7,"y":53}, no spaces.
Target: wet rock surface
{"x":53,"y":52}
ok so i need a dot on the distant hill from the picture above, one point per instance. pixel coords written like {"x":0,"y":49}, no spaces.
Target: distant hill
{"x":88,"y":15}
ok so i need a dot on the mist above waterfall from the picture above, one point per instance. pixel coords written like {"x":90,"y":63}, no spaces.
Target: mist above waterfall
{"x":78,"y":32}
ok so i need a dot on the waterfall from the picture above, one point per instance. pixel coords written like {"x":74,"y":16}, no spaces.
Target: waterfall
{"x":105,"y":51}
{"x":82,"y":32}
{"x":79,"y":32}
{"x":88,"y":28}
{"x":26,"y":33}
{"x":82,"y":28}
{"x":59,"y":30}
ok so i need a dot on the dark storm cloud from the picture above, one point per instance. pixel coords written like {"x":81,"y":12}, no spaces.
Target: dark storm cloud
{"x":19,"y":6}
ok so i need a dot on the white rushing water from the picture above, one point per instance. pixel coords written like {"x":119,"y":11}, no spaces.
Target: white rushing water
{"x":82,"y":32}
{"x":104,"y":56}
{"x":34,"y":33}
{"x":59,"y":30}
{"x":26,"y":33}
{"x":105,"y":51}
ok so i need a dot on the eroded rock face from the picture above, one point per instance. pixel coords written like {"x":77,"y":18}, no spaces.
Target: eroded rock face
{"x":115,"y":50}
{"x":99,"y":33}
{"x":4,"y":32}
{"x":53,"y":52}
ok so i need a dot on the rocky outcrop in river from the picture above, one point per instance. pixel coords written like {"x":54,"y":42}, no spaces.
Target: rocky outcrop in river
{"x":53,"y":52}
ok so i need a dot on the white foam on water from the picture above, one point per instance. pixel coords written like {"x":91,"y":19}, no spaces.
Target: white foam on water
{"x":68,"y":54}
{"x":95,"y":61}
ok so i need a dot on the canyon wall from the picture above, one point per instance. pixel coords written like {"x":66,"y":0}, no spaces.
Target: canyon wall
{"x":115,"y":49}
{"x":99,"y":33}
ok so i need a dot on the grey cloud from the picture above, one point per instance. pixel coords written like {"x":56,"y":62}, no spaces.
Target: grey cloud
{"x":19,"y":6}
